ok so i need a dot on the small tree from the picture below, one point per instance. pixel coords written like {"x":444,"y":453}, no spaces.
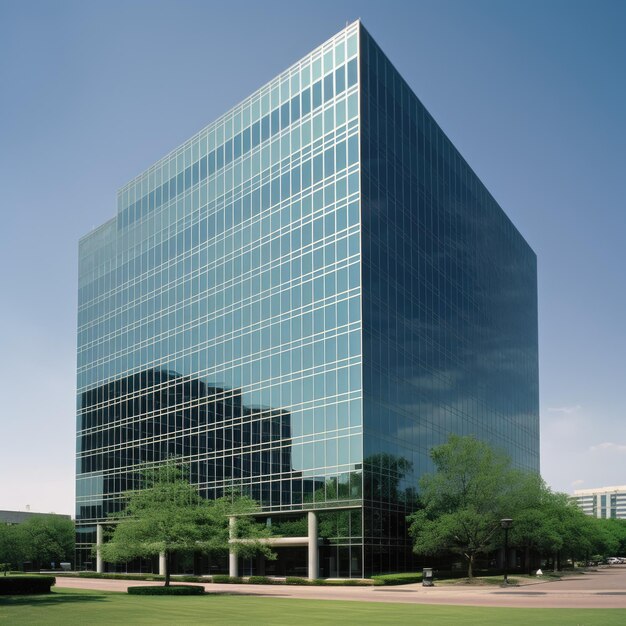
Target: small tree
{"x":463,"y":500}
{"x":169,"y":516}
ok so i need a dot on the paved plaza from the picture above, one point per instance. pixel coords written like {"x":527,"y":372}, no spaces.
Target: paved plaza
{"x":604,"y":588}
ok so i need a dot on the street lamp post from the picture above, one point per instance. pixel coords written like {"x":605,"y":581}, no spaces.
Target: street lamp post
{"x":506,"y":524}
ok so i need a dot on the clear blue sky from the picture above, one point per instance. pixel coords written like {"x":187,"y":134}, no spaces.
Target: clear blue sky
{"x":532,"y":93}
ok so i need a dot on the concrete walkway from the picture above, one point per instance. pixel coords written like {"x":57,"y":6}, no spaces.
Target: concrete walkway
{"x":605,"y":588}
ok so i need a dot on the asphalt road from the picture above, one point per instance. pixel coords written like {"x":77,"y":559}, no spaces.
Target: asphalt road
{"x":605,"y":588}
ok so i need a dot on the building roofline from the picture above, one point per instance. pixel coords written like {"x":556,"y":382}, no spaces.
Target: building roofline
{"x":590,"y":492}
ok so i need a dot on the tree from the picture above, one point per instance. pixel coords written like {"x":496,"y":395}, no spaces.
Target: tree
{"x":463,"y":500}
{"x":169,"y":516}
{"x":579,"y":535}
{"x":534,"y":509}
{"x":47,"y":538}
{"x":617,"y":530}
{"x":11,"y":545}
{"x":550,"y":523}
{"x":41,"y":539}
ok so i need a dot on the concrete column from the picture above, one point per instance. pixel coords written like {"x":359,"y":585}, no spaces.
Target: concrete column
{"x":233,"y":562}
{"x":313,"y":550}
{"x":162,"y":564}
{"x":99,"y":541}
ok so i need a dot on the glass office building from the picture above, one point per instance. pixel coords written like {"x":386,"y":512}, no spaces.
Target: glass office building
{"x":299,"y":302}
{"x":603,"y":502}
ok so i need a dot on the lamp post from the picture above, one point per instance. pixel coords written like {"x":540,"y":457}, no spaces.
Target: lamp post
{"x":506,"y":523}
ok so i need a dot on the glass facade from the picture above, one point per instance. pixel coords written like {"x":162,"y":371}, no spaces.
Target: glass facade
{"x":449,"y":292}
{"x":299,"y":302}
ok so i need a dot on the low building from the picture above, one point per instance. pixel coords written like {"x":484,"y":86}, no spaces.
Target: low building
{"x":18,"y":517}
{"x":603,"y":502}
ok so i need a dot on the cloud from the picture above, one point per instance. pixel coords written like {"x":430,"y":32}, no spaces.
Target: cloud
{"x":609,"y":446}
{"x":565,"y":409}
{"x":577,"y":482}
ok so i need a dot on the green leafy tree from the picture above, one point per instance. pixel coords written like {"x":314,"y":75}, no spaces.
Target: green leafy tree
{"x":11,"y":545}
{"x":551,"y":524}
{"x":463,"y":500}
{"x":617,"y":530}
{"x":169,"y":516}
{"x":46,"y":539}
{"x":585,"y":535}
{"x":536,"y":528}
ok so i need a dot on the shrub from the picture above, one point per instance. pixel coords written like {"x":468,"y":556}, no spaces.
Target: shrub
{"x":25,"y":585}
{"x":172,"y":590}
{"x":188,"y":578}
{"x":221,"y":578}
{"x":398,"y":579}
{"x":260,"y":580}
{"x":113,"y":576}
{"x":343,"y":582}
{"x":295,"y":580}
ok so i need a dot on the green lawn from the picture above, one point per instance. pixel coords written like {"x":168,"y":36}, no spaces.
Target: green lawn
{"x":69,"y":606}
{"x":499,"y":579}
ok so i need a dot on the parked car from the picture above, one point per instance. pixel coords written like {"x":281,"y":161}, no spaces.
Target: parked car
{"x":613,"y":560}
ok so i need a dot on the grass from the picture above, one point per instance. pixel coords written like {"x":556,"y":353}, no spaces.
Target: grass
{"x":499,"y":579}
{"x":72,"y":606}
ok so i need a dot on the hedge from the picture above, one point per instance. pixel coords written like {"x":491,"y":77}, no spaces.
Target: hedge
{"x":222,"y":578}
{"x":398,"y":579}
{"x":172,"y":590}
{"x":186,"y":578}
{"x":261,"y":580}
{"x":296,"y":580}
{"x":346,"y":582}
{"x":25,"y":585}
{"x":111,"y":575}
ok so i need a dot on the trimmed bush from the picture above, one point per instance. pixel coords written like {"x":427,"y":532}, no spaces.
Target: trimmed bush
{"x":352,"y":582}
{"x":261,"y":580}
{"x":25,"y":585}
{"x":296,"y":580}
{"x":346,"y":582}
{"x":398,"y":579}
{"x":222,"y":578}
{"x":172,"y":590}
{"x":187,"y":578}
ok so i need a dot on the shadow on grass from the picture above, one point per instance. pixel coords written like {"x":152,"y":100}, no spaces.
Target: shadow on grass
{"x":52,"y":598}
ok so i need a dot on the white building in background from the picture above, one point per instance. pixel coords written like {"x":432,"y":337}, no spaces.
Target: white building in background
{"x":604,"y":502}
